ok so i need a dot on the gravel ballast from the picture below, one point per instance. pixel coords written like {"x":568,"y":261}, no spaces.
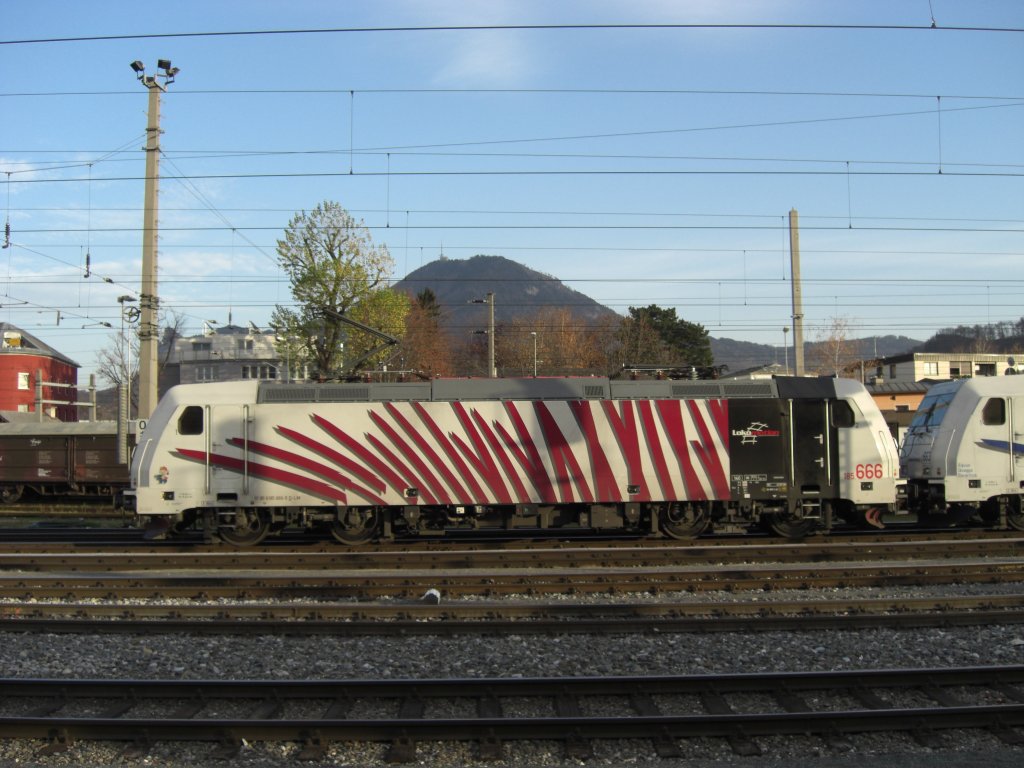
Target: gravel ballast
{"x":181,"y":656}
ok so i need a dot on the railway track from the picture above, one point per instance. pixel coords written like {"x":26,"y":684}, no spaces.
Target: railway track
{"x":515,"y":617}
{"x":494,"y":713}
{"x":87,"y":554}
{"x":241,"y":583}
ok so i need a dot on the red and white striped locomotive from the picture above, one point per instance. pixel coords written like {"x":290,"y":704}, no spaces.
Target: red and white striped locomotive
{"x":376,"y":460}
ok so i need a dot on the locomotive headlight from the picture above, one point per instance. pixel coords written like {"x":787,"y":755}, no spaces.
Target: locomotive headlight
{"x":867,"y":486}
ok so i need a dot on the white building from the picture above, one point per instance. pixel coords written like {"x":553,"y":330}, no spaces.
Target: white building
{"x":228,"y":353}
{"x":941,"y":366}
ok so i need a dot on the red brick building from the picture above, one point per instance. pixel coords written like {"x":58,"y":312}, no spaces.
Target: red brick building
{"x":24,"y":362}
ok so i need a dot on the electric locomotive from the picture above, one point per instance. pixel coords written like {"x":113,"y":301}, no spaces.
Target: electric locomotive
{"x":962,"y":454}
{"x":370,"y":461}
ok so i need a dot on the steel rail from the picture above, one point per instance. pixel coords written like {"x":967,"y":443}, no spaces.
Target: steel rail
{"x":83,"y":556}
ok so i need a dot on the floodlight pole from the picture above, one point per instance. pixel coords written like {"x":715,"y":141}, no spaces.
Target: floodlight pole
{"x":149,"y":300}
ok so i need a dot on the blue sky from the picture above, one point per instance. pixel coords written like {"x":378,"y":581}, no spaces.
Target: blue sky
{"x":636,"y":165}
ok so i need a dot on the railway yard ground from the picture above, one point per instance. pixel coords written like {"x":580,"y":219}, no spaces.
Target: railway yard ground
{"x":679,"y":639}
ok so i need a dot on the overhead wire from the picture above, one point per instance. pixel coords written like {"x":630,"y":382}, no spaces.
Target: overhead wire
{"x":511,"y":27}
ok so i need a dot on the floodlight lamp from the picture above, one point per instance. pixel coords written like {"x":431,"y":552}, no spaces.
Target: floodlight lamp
{"x":138,"y":66}
{"x":123,"y":299}
{"x":173,"y":71}
{"x":164,"y":64}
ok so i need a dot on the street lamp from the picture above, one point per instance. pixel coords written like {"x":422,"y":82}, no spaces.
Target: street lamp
{"x":534,"y":334}
{"x":492,"y":372}
{"x":131,"y":314}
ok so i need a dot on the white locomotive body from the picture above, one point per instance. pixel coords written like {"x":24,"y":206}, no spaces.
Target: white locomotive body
{"x":374,"y":460}
{"x":962,"y":455}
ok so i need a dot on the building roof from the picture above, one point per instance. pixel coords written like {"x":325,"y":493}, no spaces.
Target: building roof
{"x":24,"y":417}
{"x":32,"y":346}
{"x":900,"y":387}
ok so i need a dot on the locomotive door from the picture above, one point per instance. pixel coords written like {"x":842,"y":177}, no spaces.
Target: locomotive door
{"x":813,"y":451}
{"x":1001,"y":433}
{"x":227,"y":439}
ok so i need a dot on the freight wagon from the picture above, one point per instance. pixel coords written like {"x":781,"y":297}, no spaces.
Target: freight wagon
{"x":60,"y":459}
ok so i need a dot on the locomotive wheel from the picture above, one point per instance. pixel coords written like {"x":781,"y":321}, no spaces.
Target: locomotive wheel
{"x":356,"y":526}
{"x":1014,"y":513}
{"x":11,"y":493}
{"x":684,"y":521}
{"x":251,"y":528}
{"x":786,"y":525}
{"x":187,"y":521}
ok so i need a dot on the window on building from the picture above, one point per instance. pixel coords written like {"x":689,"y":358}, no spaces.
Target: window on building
{"x":245,"y":345}
{"x":23,"y":380}
{"x":202,"y":346}
{"x":205,"y":373}
{"x":930,"y":368}
{"x":22,"y":407}
{"x":986,"y":369}
{"x":892,"y":371}
{"x":259,"y":372}
{"x":994,"y":412}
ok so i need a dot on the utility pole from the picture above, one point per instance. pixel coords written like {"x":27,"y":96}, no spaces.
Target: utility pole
{"x":149,"y":300}
{"x":492,"y":371}
{"x":798,"y":301}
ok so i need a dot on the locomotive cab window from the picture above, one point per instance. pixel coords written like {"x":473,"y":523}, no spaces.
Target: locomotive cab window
{"x":191,"y":421}
{"x":842,"y":414}
{"x":994,"y":412}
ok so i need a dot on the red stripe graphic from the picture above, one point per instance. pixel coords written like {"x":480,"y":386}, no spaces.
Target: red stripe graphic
{"x":321,"y":470}
{"x":708,"y":454}
{"x":526,"y":453}
{"x":653,"y":441}
{"x":397,"y":483}
{"x":431,"y":482}
{"x":625,"y":429}
{"x":720,"y":415}
{"x":604,"y":480}
{"x":298,"y":482}
{"x":672,"y":418}
{"x":411,"y":480}
{"x":439,"y":464}
{"x":342,"y":461}
{"x":563,"y":462}
{"x":479,"y":456}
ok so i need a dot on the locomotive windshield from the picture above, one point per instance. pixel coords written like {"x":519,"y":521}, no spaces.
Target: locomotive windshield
{"x":932,"y":409}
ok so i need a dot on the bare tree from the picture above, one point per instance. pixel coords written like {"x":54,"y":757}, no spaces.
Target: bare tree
{"x":118,"y":362}
{"x":834,"y":350}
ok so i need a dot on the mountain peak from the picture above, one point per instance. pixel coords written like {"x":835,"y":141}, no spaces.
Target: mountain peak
{"x":518,"y":290}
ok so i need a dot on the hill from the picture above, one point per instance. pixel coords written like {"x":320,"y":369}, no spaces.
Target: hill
{"x":741,"y":355}
{"x":518,"y":291}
